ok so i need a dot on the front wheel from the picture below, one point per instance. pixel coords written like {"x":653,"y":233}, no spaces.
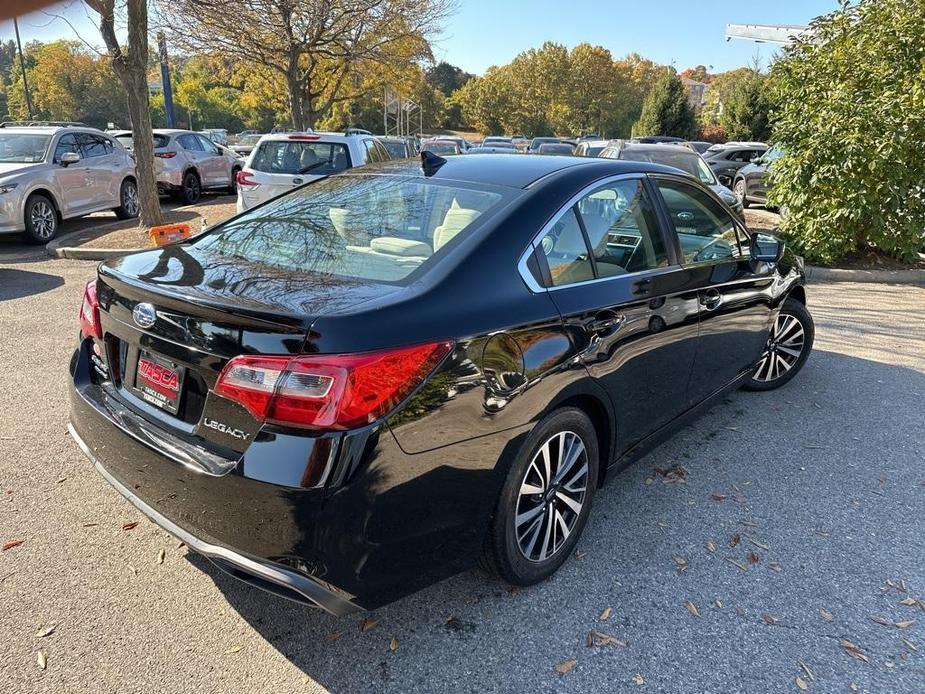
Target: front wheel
{"x":233,"y":186}
{"x":41,"y":219}
{"x":789,"y":345}
{"x":739,"y":190}
{"x":546,"y":499}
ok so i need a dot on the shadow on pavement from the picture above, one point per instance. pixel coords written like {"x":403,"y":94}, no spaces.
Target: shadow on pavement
{"x":15,"y":284}
{"x":806,"y":495}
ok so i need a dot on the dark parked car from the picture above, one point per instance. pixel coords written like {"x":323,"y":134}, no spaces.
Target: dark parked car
{"x":537,"y":141}
{"x":749,"y":183}
{"x":364,"y":385}
{"x":726,"y":160}
{"x":398,"y":147}
{"x":556,"y":148}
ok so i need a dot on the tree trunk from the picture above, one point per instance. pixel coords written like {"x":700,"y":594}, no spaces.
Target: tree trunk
{"x":296,"y":106}
{"x":140,"y":114}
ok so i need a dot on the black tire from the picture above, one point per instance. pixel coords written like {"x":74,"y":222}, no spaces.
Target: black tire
{"x":190,"y":188}
{"x":504,"y":553}
{"x":129,"y":206}
{"x":41,"y":219}
{"x":781,"y":343}
{"x":233,"y":187}
{"x":739,"y":190}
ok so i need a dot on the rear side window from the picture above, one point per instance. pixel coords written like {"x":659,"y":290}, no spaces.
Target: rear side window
{"x":706,"y":232}
{"x":299,"y":157}
{"x":94,"y":146}
{"x":190,"y":143}
{"x":160,"y":141}
{"x":379,"y":228}
{"x":566,"y":252}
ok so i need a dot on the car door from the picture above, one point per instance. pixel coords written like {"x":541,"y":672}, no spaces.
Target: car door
{"x":74,"y":182}
{"x":218,"y":166}
{"x":98,"y":157}
{"x":624,"y":300}
{"x":734,"y":293}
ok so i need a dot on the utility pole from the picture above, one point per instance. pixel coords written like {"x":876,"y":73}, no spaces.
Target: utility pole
{"x":22,"y":66}
{"x":165,"y":79}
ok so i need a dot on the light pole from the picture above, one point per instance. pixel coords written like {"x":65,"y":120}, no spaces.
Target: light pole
{"x":22,"y":66}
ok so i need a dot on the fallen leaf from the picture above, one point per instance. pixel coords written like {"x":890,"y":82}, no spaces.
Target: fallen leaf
{"x":853,"y":687}
{"x":566,"y":666}
{"x":752,"y":558}
{"x":718,"y":497}
{"x":775,"y":566}
{"x":759,"y":545}
{"x":801,"y":683}
{"x":599,"y":638}
{"x":333,"y":636}
{"x":738,"y":564}
{"x":826,"y":615}
{"x":47,"y":631}
{"x":741,"y":611}
{"x":905,"y":624}
{"x":370,"y":623}
{"x":41,"y":659}
{"x":11,"y":544}
{"x":605,"y":615}
{"x":718,"y":604}
{"x":710,"y":547}
{"x":579,"y":554}
{"x":130,"y":526}
{"x":809,"y":673}
{"x":909,"y":645}
{"x":853,"y":650}
{"x":90,"y":525}
{"x":675,"y":474}
{"x":160,"y":556}
{"x":735,"y":540}
{"x":692,"y":608}
{"x":681,"y":563}
{"x":132,"y":569}
{"x":233,"y":649}
{"x":880,"y":620}
{"x":638,"y":679}
{"x":769,"y":618}
{"x":393,"y":644}
{"x":908,"y":601}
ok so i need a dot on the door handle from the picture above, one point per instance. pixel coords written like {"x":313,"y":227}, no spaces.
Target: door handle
{"x":711,"y":299}
{"x":605,"y":326}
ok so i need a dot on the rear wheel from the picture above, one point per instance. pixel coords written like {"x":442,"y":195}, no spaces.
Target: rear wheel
{"x":128,"y":197}
{"x":41,"y":219}
{"x":545,"y":501}
{"x":233,"y":186}
{"x":739,"y":190}
{"x":789,"y":345}
{"x":190,"y":189}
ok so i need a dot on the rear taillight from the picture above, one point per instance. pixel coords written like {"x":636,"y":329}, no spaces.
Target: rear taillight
{"x":244,"y":178}
{"x":328,"y":391}
{"x":165,"y":155}
{"x":90,"y":313}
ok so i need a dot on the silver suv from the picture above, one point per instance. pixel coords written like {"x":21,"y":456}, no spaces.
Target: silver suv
{"x":49,"y":173}
{"x":186,"y":163}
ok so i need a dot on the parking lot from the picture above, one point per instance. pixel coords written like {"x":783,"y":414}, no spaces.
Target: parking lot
{"x":778,"y":537}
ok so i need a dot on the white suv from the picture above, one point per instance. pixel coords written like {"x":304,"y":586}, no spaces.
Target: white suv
{"x":49,"y":173}
{"x":282,"y":161}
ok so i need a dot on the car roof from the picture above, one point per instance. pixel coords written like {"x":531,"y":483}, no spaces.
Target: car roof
{"x":514,"y":171}
{"x":660,"y":147}
{"x":51,"y":129}
{"x":321,"y":137}
{"x":595,"y":143}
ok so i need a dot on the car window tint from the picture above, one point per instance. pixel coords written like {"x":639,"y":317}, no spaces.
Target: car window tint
{"x":207,"y":145}
{"x":300,"y":157}
{"x":92,"y":146}
{"x":566,"y":252}
{"x":705,"y":230}
{"x":622,"y":229}
{"x":67,"y":143}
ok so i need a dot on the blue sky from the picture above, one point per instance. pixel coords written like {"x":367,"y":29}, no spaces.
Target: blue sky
{"x":491,"y":32}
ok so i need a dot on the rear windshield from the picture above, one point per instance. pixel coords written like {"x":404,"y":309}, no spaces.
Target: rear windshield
{"x":299,"y":157}
{"x":160,"y":141}
{"x":687,"y":161}
{"x":379,"y":228}
{"x":397,"y":150}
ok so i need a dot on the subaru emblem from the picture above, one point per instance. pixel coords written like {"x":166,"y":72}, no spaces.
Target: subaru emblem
{"x":144,"y":315}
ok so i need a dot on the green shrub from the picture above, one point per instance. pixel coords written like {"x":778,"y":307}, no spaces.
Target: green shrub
{"x":850,"y":117}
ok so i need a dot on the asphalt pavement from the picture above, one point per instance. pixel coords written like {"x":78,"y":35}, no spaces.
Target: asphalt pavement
{"x":781,"y":536}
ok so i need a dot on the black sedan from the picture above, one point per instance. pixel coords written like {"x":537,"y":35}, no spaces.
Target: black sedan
{"x":370,"y":383}
{"x":749,"y":184}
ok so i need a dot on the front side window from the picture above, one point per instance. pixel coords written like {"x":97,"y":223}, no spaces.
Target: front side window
{"x":16,"y":148}
{"x":379,"y":228}
{"x":207,"y":145}
{"x":300,"y":157}
{"x":565,"y":251}
{"x":622,"y":229}
{"x":705,"y":230}
{"x":67,"y":143}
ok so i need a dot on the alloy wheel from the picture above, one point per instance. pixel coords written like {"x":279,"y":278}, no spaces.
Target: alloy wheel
{"x":42,"y":218}
{"x":191,"y":188}
{"x":130,"y":199}
{"x":740,"y":189}
{"x":785,"y":346}
{"x":551,"y":496}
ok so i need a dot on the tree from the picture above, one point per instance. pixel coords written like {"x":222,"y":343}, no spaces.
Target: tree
{"x":131,"y":67}
{"x":747,"y":110}
{"x":325,"y":51}
{"x":447,"y":78}
{"x":666,"y":110}
{"x":721,"y":86}
{"x":850,"y":121}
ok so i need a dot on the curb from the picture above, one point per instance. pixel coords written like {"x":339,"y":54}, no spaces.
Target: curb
{"x":826,"y":274}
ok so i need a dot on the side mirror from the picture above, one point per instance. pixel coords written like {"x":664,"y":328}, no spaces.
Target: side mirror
{"x":766,"y":248}
{"x":69,"y":158}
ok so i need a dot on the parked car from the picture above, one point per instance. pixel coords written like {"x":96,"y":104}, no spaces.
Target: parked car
{"x":218,"y":135}
{"x":728,"y":159}
{"x":398,"y":147}
{"x":497,"y":140}
{"x":520,"y":142}
{"x":441,"y":147}
{"x":699,"y":146}
{"x":556,"y":148}
{"x":537,"y":141}
{"x":497,"y":148}
{"x":590,"y":148}
{"x":679,"y":157}
{"x":52,"y":173}
{"x":187,"y":163}
{"x":657,"y":140}
{"x":749,"y":185}
{"x":245,"y":144}
{"x":374,"y":380}
{"x":462,"y":143}
{"x":282,"y":162}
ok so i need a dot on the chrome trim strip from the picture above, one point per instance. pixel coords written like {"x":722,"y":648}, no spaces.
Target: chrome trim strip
{"x":305,"y":586}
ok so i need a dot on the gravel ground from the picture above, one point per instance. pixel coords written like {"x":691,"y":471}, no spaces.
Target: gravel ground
{"x":821,"y":482}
